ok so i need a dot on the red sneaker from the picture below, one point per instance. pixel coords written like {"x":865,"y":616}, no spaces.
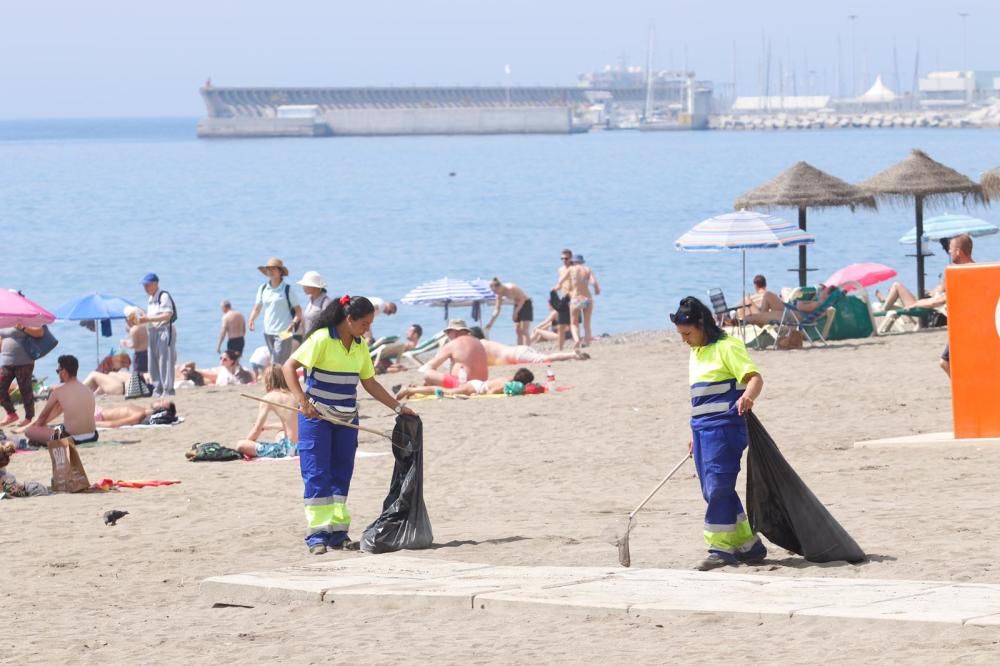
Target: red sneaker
{"x":9,"y":419}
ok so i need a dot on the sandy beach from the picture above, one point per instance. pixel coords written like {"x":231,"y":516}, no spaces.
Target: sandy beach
{"x":530,"y":480}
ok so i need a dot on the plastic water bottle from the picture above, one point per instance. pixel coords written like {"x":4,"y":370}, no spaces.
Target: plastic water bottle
{"x":550,"y":379}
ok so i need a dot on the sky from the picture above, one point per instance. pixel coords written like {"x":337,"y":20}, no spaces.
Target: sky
{"x":116,"y":58}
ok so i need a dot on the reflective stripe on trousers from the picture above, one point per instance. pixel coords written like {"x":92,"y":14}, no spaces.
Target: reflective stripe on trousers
{"x":326,"y":459}
{"x":717,"y":452}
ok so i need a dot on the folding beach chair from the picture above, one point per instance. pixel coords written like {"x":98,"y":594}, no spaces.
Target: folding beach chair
{"x":722,"y":311}
{"x":814,"y":324}
{"x":423,"y":352}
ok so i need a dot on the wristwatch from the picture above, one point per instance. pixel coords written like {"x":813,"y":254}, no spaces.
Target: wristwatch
{"x":398,"y":408}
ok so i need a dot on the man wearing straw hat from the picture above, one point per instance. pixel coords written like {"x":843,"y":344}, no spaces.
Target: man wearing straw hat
{"x":281,"y":310}
{"x":466,"y":353}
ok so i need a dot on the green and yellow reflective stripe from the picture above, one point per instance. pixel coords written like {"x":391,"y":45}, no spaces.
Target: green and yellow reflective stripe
{"x":729,"y":538}
{"x":332,"y":517}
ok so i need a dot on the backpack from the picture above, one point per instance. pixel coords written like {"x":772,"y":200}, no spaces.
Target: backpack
{"x":288,"y":297}
{"x":212,"y":452}
{"x":173,"y":305}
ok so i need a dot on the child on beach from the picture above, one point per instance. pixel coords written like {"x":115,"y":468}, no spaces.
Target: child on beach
{"x":287,"y":427}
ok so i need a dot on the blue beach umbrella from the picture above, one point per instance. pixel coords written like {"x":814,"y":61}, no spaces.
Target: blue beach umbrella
{"x":448,"y":292}
{"x":94,"y":307}
{"x":949,"y":226}
{"x":743,"y":230}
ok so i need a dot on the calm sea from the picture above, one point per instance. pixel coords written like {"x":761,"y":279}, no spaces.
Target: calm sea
{"x":93,"y":205}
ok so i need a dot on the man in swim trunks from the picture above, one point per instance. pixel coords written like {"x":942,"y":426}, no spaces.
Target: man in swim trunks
{"x":471,"y":387}
{"x":71,"y":399}
{"x":233,"y":331}
{"x":523,"y":310}
{"x":158,"y":412}
{"x":466,"y":354}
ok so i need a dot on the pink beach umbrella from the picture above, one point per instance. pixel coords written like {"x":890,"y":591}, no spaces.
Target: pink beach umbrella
{"x":16,"y":309}
{"x":866,"y":274}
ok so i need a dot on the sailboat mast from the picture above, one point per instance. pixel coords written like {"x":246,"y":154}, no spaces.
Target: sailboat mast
{"x":647,"y":111}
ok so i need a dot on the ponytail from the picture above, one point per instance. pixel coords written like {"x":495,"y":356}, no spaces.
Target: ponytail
{"x":338,"y":310}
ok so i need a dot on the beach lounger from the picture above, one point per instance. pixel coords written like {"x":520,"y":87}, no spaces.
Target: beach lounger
{"x":423,"y":352}
{"x":906,"y":320}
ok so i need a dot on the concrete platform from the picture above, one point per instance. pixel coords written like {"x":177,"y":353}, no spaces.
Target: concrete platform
{"x":928,"y":439}
{"x":399,"y":581}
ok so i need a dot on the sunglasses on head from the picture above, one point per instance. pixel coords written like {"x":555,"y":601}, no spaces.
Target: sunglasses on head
{"x":681,"y":318}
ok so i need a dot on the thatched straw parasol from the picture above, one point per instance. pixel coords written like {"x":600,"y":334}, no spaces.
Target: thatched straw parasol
{"x":991,"y":185}
{"x":921,"y":178}
{"x":804,"y":186}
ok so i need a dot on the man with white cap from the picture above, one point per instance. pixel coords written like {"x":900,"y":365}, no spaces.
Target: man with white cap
{"x":281,"y":310}
{"x":315,"y":287}
{"x":234,"y":327}
{"x":466,"y":353}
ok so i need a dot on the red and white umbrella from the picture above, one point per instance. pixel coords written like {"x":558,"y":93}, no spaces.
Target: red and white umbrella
{"x":16,"y":309}
{"x":866,"y":274}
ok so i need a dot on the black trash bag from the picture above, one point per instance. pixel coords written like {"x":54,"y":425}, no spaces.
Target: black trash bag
{"x":404,"y":523}
{"x":782,"y":508}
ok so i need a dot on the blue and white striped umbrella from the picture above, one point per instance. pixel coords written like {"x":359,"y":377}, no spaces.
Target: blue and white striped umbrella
{"x":949,"y":226}
{"x":448,"y":292}
{"x":742,"y":230}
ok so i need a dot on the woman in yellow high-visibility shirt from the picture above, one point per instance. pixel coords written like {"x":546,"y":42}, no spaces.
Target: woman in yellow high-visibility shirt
{"x":724,"y":384}
{"x":335,"y":357}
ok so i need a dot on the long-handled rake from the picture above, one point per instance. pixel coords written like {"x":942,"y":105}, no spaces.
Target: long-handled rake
{"x":323,"y":414}
{"x":624,"y":557}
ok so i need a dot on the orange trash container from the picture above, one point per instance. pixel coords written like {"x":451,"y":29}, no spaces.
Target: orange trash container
{"x":974,"y":344}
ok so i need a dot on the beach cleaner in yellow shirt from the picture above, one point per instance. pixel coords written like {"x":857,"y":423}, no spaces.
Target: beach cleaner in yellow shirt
{"x":724,"y":384}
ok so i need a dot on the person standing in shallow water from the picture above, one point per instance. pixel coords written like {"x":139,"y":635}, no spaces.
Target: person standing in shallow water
{"x":335,"y":358}
{"x":725,"y":382}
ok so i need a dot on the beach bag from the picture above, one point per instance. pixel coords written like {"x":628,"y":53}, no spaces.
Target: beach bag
{"x":792,"y":340}
{"x":68,"y":473}
{"x":136,"y":387}
{"x":404,"y":522}
{"x":212,"y":452}
{"x":36,"y":348}
{"x":782,"y":508}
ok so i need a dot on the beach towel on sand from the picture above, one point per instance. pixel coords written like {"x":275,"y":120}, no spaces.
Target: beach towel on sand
{"x":404,"y":522}
{"x":782,"y":508}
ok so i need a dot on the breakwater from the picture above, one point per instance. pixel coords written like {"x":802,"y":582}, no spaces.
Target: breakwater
{"x":986,"y":117}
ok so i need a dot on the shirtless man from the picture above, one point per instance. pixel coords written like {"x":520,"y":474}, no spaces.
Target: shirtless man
{"x":234,"y":327}
{"x":465,"y":352}
{"x":132,"y":414}
{"x":71,"y":399}
{"x":287,"y":425}
{"x":575,"y":280}
{"x":523,"y":309}
{"x":763,"y":306}
{"x":471,"y":387}
{"x":960,"y":251}
{"x":498,"y":353}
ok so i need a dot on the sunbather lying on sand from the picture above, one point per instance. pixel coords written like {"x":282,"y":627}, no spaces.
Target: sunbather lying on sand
{"x":160,"y":412}
{"x":111,"y":376}
{"x":286,"y":426}
{"x":471,"y":387}
{"x":498,"y":353}
{"x":227,"y":373}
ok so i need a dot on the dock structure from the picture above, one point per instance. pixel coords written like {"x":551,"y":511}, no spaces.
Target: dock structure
{"x":367,"y":111}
